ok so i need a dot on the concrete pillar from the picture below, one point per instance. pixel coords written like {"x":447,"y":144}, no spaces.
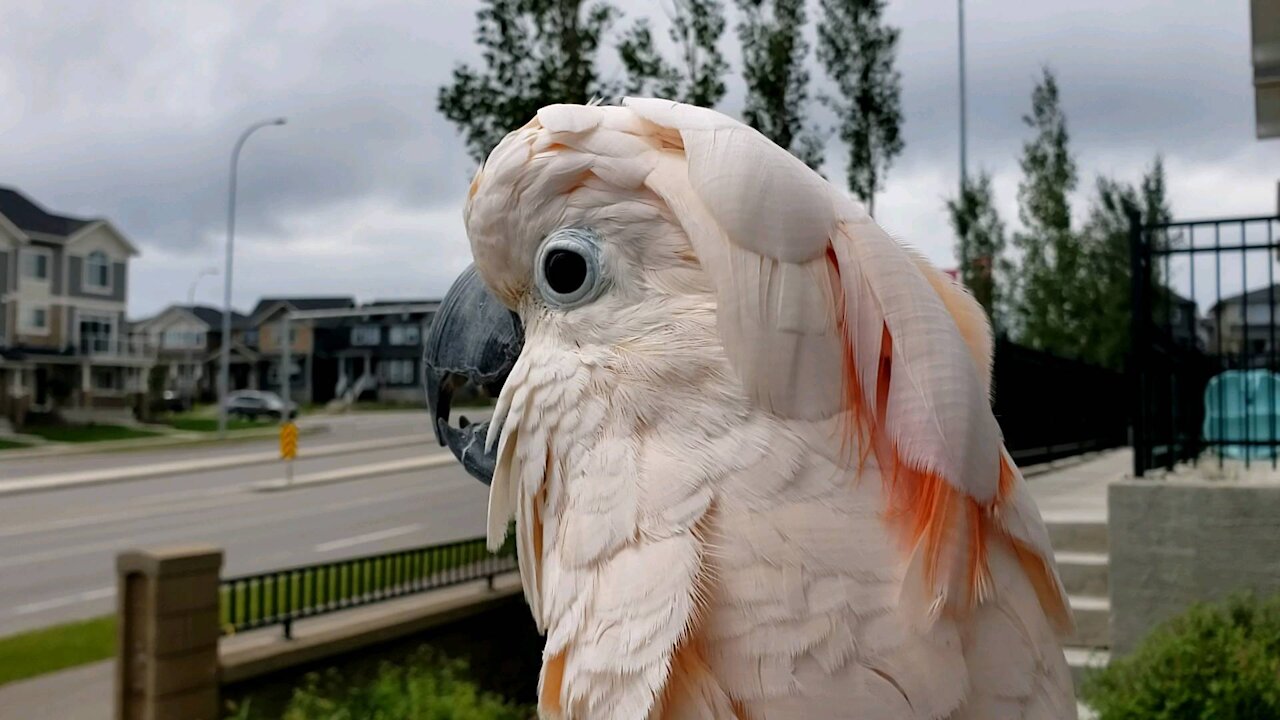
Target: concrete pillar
{"x":167,"y":663}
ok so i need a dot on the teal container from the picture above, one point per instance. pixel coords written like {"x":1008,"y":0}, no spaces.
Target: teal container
{"x":1243,"y":405}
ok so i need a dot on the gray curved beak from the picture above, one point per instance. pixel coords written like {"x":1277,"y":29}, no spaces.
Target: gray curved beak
{"x":474,"y":338}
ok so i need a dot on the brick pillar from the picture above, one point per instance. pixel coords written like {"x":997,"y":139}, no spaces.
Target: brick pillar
{"x":167,"y":661}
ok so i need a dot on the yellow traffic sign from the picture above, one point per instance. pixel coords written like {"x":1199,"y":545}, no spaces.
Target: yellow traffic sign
{"x":288,"y":441}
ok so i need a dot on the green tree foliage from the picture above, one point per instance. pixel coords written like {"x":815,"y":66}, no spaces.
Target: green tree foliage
{"x":1106,"y":238}
{"x":857,"y":49}
{"x":980,"y":244}
{"x":1216,"y":661}
{"x":773,"y":66}
{"x":697,"y":77}
{"x":536,"y":52}
{"x":1051,"y":304}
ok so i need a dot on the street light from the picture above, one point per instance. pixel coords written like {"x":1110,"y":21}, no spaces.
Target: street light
{"x":224,"y":371}
{"x":964,"y":170}
{"x":191,"y":303}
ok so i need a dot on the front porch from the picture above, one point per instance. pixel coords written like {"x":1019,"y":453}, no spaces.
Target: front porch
{"x":78,"y":390}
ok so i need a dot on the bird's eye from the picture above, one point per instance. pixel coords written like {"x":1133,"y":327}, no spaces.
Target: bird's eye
{"x":568,"y":269}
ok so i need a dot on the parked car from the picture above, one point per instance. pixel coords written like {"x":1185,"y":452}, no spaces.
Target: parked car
{"x":255,"y":404}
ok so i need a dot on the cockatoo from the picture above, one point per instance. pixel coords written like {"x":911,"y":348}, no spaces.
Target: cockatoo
{"x":745,"y":435}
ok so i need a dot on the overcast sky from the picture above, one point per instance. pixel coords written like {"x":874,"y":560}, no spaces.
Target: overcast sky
{"x":128,"y":109}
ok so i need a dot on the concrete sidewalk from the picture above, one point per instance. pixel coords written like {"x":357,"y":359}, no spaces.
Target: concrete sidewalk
{"x":161,"y":469}
{"x":1075,"y":490}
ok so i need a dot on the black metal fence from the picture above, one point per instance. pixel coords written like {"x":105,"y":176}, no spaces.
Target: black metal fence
{"x":281,"y":597}
{"x":1051,"y":407}
{"x":1204,"y":317}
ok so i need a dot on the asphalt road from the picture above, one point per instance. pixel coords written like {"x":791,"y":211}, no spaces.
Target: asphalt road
{"x":57,"y":548}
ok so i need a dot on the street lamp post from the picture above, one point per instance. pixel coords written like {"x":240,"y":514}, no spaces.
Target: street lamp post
{"x":191,"y":303}
{"x":224,"y":370}
{"x":964,"y":170}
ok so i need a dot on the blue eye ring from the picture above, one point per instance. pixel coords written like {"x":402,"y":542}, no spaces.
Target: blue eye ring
{"x":567,"y":269}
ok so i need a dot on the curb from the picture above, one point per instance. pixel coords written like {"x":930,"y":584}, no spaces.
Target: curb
{"x":42,"y":483}
{"x":336,"y":476}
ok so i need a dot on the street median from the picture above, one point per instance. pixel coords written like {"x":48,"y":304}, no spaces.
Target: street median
{"x":61,"y":481}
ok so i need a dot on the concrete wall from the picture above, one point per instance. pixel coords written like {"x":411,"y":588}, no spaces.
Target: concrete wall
{"x":1178,"y":542}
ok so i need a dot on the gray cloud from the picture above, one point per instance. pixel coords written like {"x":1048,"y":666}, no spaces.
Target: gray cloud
{"x":129,"y":108}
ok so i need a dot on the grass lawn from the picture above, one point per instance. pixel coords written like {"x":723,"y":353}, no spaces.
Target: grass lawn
{"x":86,"y":433}
{"x":11,"y":444}
{"x":54,"y":648}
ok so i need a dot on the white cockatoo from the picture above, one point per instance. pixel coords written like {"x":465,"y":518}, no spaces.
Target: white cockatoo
{"x":746,"y":437}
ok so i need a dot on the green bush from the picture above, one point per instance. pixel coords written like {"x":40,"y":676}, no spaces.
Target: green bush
{"x":426,"y":687}
{"x":1219,"y":662}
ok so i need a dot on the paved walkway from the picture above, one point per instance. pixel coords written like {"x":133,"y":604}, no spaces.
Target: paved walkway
{"x":1075,"y":489}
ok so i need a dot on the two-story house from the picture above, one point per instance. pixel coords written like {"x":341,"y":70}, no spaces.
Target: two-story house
{"x":309,"y":369}
{"x":187,"y":339}
{"x":66,"y":344}
{"x":1246,"y":325}
{"x":378,"y":350}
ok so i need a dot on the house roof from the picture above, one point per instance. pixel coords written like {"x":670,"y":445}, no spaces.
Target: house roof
{"x":1260,"y":295}
{"x":408,"y":301}
{"x":210,"y":316}
{"x":302,"y":303}
{"x":30,"y":217}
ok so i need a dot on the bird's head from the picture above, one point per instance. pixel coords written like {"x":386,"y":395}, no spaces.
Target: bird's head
{"x":577,"y":257}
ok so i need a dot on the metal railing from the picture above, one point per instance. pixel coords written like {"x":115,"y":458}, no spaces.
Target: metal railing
{"x":124,"y":347}
{"x":281,"y":597}
{"x":1051,"y":407}
{"x":1204,"y":302}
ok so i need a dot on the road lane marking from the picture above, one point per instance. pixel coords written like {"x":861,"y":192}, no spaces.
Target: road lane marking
{"x":359,"y":472}
{"x":367,"y":538}
{"x":271,"y":517}
{"x":64,"y":601}
{"x":222,"y":496}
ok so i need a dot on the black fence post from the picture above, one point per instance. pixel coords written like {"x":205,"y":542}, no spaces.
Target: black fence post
{"x":1138,"y":344}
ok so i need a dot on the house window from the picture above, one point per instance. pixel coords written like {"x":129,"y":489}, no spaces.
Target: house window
{"x":97,"y":271}
{"x":95,"y":332}
{"x":34,"y":319}
{"x":273,"y":333}
{"x":180,"y":339}
{"x":107,"y":379}
{"x":35,"y":264}
{"x":406,"y":335}
{"x":366,"y":335}
{"x":251,"y":338}
{"x":398,"y":372}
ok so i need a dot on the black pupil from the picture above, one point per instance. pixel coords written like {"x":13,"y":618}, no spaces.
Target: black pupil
{"x":565,"y":271}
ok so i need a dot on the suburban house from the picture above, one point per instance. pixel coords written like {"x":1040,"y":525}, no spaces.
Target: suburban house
{"x":312,"y":374}
{"x":1246,"y":324}
{"x":65,"y":345}
{"x":378,"y":350}
{"x":188,"y":340}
